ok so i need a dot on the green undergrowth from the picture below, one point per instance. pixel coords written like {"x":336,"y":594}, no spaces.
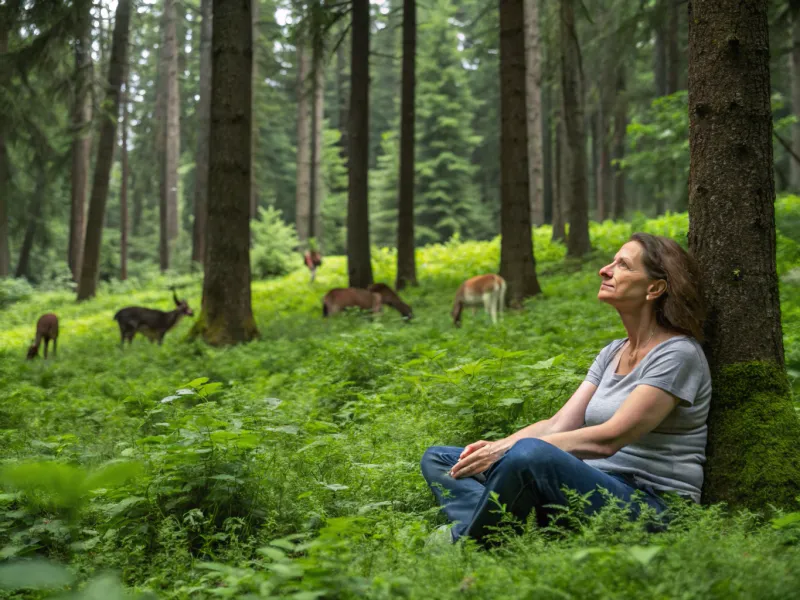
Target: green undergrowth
{"x":288,"y":466}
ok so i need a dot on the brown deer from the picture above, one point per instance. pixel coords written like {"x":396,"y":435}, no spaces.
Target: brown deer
{"x":490,"y":290}
{"x":151,"y":323}
{"x":47,"y":330}
{"x":390,"y":298}
{"x":337,"y":299}
{"x":312,"y":260}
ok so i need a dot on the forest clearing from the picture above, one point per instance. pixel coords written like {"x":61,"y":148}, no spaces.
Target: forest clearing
{"x":293,"y":471}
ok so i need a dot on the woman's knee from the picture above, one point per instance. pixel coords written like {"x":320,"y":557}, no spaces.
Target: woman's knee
{"x":531,"y":453}
{"x":438,"y":460}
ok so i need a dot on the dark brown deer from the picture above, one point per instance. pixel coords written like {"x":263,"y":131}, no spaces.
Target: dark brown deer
{"x":47,"y":330}
{"x":151,"y":323}
{"x":390,"y":298}
{"x":337,"y":299}
{"x":312,"y":260}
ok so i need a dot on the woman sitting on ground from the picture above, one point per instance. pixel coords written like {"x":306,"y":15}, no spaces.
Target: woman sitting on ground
{"x":637,"y":422}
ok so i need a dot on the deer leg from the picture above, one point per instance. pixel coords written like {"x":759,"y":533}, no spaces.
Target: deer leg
{"x":55,"y":345}
{"x":488,"y":304}
{"x":46,"y":344}
{"x":313,"y":274}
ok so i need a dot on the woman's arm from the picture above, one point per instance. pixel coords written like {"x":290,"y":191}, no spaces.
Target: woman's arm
{"x":570,"y":417}
{"x":640,"y":413}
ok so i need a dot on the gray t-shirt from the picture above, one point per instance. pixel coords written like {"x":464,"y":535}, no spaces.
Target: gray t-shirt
{"x":670,"y":458}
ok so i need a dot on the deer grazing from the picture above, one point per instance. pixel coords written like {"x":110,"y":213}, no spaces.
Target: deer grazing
{"x":390,"y":298}
{"x":151,"y":323}
{"x":338,"y":299}
{"x":373,"y":299}
{"x":312,"y":260}
{"x":47,"y":330}
{"x":487,"y":289}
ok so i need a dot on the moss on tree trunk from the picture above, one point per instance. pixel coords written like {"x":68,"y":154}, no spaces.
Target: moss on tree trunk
{"x":753,"y":437}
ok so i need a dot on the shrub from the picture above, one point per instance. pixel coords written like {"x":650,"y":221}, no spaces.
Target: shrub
{"x":274,"y":243}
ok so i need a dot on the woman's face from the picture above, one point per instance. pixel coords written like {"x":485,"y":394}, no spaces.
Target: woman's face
{"x":625,"y":283}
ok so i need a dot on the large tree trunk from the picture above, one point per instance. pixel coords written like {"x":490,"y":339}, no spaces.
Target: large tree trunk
{"x":753,"y":456}
{"x":317,"y":121}
{"x":254,"y":135}
{"x":359,"y":265}
{"x":34,"y":219}
{"x":406,"y":262}
{"x":82,"y":142}
{"x":123,"y":188}
{"x":603,"y":185}
{"x":227,"y":315}
{"x":533,"y":95}
{"x":547,"y":154}
{"x":105,"y":153}
{"x":203,"y":127}
{"x":517,"y":264}
{"x":5,"y":253}
{"x":620,"y":131}
{"x":167,"y":128}
{"x":660,"y":48}
{"x":559,"y":234}
{"x":575,"y":182}
{"x":173,"y":145}
{"x":341,"y":93}
{"x":794,"y":170}
{"x":303,"y":181}
{"x":673,"y":58}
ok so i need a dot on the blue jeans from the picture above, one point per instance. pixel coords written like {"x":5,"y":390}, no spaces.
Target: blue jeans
{"x":530,"y":476}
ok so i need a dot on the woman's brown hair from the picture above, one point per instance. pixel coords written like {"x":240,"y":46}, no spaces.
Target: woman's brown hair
{"x":681,"y":308}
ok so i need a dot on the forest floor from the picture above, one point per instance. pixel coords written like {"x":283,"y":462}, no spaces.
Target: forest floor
{"x":293,"y":471}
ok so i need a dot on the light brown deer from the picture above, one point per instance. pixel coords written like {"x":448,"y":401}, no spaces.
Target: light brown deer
{"x":47,"y":330}
{"x":338,"y":299}
{"x":489,"y":290}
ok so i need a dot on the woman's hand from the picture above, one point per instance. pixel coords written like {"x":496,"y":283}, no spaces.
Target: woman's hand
{"x":479,"y":456}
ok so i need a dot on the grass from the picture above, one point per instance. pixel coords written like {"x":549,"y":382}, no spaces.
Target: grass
{"x":292,"y":470}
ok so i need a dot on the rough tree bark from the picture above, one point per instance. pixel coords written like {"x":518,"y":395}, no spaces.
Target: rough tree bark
{"x":406,"y":262}
{"x":359,"y":265}
{"x":82,"y":142}
{"x":547,"y":154}
{"x":173,"y":144}
{"x":254,"y":135}
{"x":559,"y":234}
{"x":167,"y":133}
{"x":105,"y":153}
{"x":575,"y":188}
{"x":794,"y":169}
{"x":517,"y":263}
{"x":35,"y":209}
{"x":341,"y":93}
{"x":203,"y":130}
{"x":660,"y":47}
{"x":227,"y":315}
{"x":5,"y":253}
{"x":317,"y":121}
{"x":533,"y":95}
{"x":123,"y":188}
{"x":673,"y":58}
{"x":605,"y":109}
{"x":302,"y":200}
{"x":620,"y":131}
{"x":753,"y":457}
